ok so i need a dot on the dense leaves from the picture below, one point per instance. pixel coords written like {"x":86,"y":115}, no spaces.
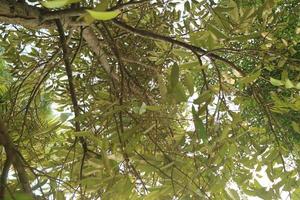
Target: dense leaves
{"x":150,"y":99}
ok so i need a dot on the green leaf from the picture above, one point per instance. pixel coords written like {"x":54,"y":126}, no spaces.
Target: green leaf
{"x":60,"y":195}
{"x":179,"y":93}
{"x":162,"y":86}
{"x":199,"y":126}
{"x":205,"y":96}
{"x":289,"y":84}
{"x":167,"y":165}
{"x":296,"y":127}
{"x":106,"y":162}
{"x":103,"y":15}
{"x":19,"y":196}
{"x":153,"y":108}
{"x":187,"y":6}
{"x":232,"y":193}
{"x":189,"y":83}
{"x":142,"y":109}
{"x":149,"y":129}
{"x":216,"y":32}
{"x":181,"y":53}
{"x":162,"y":45}
{"x":189,"y":65}
{"x":276,"y":82}
{"x":121,"y":189}
{"x":282,"y":62}
{"x":3,"y":89}
{"x":39,"y":184}
{"x":89,"y":181}
{"x":174,"y":75}
{"x":212,"y":41}
{"x":102,"y":6}
{"x":250,"y":78}
{"x":193,"y":66}
{"x":64,"y":116}
{"x":58,"y":3}
{"x":284,"y":75}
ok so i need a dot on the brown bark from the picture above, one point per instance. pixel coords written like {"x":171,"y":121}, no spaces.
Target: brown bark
{"x":4,"y":175}
{"x":22,"y":14}
{"x":34,"y":18}
{"x":13,"y":157}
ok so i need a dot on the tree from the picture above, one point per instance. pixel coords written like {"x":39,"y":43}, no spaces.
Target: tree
{"x":137,"y":99}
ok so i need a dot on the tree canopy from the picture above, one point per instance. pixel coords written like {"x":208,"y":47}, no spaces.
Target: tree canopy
{"x":149,"y":99}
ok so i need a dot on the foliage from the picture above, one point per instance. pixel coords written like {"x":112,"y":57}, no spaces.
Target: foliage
{"x":151,"y":99}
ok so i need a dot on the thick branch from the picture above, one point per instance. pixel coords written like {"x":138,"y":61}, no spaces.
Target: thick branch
{"x":35,"y":18}
{"x":22,"y":14}
{"x":13,"y":155}
{"x":4,"y":174}
{"x":96,"y":46}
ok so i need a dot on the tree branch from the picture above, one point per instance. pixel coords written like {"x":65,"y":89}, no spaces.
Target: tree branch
{"x":4,"y":175}
{"x":193,"y":48}
{"x":121,"y":5}
{"x":69,"y":72}
{"x":22,"y":14}
{"x":13,"y":155}
{"x":155,"y":36}
{"x":95,"y":45}
{"x":72,"y":93}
